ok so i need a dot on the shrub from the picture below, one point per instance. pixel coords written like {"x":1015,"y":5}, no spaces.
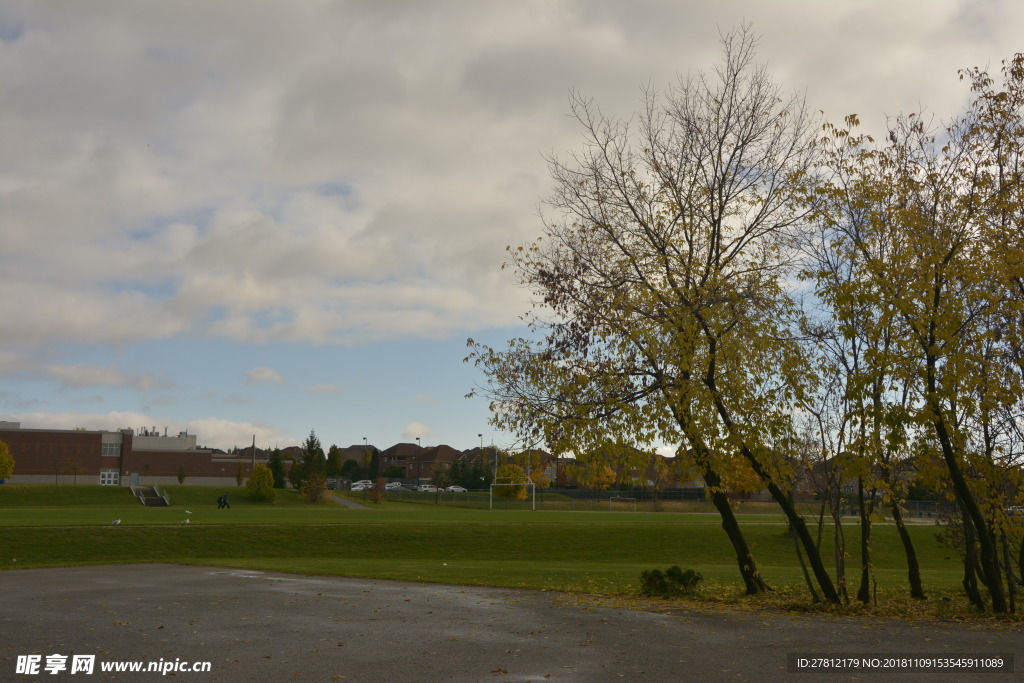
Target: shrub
{"x":6,"y":462}
{"x":314,"y":487}
{"x":671,"y":582}
{"x":375,"y":493}
{"x":261,"y":484}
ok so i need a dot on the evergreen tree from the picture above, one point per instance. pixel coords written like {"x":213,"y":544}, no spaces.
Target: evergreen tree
{"x":275,"y":462}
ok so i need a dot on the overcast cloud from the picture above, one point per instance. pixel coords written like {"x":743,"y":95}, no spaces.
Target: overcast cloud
{"x":349,"y":173}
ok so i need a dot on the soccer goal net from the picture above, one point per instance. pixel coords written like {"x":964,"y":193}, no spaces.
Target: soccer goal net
{"x":509,"y":484}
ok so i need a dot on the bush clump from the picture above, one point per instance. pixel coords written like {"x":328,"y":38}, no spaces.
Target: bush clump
{"x":261,"y":484}
{"x":673,"y":581}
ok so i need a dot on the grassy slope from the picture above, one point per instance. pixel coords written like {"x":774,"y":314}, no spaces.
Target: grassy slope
{"x":594,"y":552}
{"x":541,"y":549}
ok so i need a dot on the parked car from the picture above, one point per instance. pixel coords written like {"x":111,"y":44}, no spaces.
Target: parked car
{"x":1015,"y":511}
{"x":455,"y":489}
{"x":394,"y":486}
{"x":429,"y":488}
{"x":361,"y":486}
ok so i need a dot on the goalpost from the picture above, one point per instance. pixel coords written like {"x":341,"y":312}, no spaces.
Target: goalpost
{"x":515,"y":481}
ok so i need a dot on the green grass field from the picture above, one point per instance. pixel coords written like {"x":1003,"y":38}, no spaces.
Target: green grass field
{"x":598,"y":553}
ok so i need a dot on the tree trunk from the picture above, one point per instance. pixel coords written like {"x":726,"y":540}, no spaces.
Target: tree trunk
{"x":1020,"y":561}
{"x":799,"y":528}
{"x":796,"y":522}
{"x":970,"y":581}
{"x":913,"y":569}
{"x":744,"y":558}
{"x":803,"y":565}
{"x":839,"y":540}
{"x":1011,"y":589}
{"x":752,"y":580}
{"x":864,"y":590}
{"x":989,"y":554}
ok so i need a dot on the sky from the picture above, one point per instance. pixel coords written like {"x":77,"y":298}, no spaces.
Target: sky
{"x":256,"y":219}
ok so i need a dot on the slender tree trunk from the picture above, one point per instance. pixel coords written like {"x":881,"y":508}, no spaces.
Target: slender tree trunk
{"x":864,"y":590}
{"x":1020,"y":561}
{"x":797,"y":524}
{"x":1011,"y":589}
{"x":988,"y":554}
{"x":913,"y":569}
{"x":839,"y":544}
{"x":752,"y":581}
{"x":803,"y":565}
{"x":970,"y":581}
{"x":828,"y":589}
{"x":826,"y":501}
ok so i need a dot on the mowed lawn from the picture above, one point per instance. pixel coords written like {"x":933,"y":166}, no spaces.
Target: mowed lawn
{"x":591,"y":552}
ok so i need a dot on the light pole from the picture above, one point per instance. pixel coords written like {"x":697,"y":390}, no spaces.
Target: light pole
{"x":366,"y":457}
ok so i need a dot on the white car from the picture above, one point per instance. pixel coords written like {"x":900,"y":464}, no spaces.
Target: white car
{"x":455,"y":489}
{"x":429,"y":488}
{"x":361,"y":487}
{"x":362,"y":482}
{"x":394,"y":486}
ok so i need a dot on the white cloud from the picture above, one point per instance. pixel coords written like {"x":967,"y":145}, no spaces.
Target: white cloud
{"x":225,"y":434}
{"x":87,"y":375}
{"x":667,"y":451}
{"x":11,"y":362}
{"x":326,"y":389}
{"x":416,"y":429}
{"x":263,"y":375}
{"x":351,"y":172}
{"x":211,"y":432}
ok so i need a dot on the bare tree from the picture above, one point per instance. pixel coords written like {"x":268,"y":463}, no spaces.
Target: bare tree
{"x":662,"y":281}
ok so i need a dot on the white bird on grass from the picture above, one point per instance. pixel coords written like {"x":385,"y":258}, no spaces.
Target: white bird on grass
{"x":184,"y":521}
{"x":188,"y":512}
{"x":115,"y":522}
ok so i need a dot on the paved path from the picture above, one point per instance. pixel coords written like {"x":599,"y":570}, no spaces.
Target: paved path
{"x":263,"y":626}
{"x":349,"y":503}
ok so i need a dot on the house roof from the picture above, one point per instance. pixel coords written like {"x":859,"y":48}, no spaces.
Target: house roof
{"x":405,"y":450}
{"x":442,"y":453}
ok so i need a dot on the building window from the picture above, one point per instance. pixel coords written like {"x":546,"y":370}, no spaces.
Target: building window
{"x":110,"y":477}
{"x":111,"y":449}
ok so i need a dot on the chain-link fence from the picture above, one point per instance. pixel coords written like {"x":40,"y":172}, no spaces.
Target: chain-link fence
{"x":686,"y":500}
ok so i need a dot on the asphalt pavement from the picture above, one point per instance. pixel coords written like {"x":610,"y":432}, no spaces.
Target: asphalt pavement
{"x":266,"y":626}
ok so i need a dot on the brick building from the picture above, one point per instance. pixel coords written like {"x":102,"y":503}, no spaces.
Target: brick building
{"x":417,"y":462}
{"x":117,"y":458}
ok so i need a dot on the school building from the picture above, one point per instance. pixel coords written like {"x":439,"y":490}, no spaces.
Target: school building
{"x":117,"y":458}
